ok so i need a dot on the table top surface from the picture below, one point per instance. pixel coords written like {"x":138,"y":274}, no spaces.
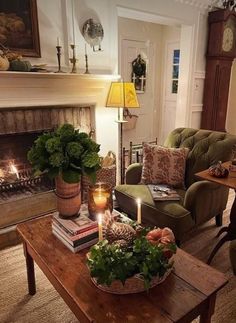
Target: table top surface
{"x":184,"y":290}
{"x":228,"y":181}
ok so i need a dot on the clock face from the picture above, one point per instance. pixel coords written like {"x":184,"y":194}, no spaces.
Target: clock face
{"x":228,"y":39}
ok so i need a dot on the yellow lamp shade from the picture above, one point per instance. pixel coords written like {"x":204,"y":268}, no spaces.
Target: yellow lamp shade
{"x":122,"y":95}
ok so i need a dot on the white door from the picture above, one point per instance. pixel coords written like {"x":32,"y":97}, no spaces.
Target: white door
{"x":171,"y":75}
{"x":143,"y":130}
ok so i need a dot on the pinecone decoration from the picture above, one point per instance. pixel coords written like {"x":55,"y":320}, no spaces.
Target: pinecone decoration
{"x":121,"y":234}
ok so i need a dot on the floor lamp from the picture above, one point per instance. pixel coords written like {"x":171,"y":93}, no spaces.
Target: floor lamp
{"x":122,"y":95}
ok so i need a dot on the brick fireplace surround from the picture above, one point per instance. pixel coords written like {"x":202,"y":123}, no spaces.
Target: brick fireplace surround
{"x":29,"y":104}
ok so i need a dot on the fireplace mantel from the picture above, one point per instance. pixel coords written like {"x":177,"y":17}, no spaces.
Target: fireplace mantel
{"x":23,"y":89}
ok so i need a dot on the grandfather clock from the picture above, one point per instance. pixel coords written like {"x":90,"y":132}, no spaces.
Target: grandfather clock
{"x":221,"y":52}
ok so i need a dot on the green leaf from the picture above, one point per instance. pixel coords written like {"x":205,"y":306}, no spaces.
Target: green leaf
{"x":71,"y":176}
{"x":53,"y":172}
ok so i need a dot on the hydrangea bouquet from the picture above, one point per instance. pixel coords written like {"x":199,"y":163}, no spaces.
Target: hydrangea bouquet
{"x":66,"y":152}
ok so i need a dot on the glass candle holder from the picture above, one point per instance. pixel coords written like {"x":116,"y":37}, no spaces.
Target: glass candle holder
{"x":99,"y":198}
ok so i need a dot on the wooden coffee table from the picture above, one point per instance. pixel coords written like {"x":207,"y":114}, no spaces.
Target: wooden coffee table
{"x":230,"y":230}
{"x":190,"y":290}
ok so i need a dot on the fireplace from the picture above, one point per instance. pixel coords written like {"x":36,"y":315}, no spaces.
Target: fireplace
{"x":23,"y":195}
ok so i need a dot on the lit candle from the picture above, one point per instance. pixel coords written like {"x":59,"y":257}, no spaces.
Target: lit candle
{"x":99,"y":199}
{"x":139,"y":215}
{"x":58,"y":41}
{"x":100,"y":237}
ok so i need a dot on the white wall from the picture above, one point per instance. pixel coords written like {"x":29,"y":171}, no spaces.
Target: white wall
{"x":231,"y":111}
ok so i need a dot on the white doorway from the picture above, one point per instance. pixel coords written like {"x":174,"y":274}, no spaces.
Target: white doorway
{"x":170,"y":90}
{"x":143,"y":130}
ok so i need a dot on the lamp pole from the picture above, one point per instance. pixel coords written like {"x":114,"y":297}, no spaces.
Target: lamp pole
{"x":121,"y":121}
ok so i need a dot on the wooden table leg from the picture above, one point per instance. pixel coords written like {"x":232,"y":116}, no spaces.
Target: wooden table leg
{"x":230,"y":231}
{"x":206,"y":316}
{"x":30,"y":271}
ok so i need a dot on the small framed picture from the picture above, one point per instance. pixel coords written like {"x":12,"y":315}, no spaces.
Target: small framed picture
{"x":19,"y":27}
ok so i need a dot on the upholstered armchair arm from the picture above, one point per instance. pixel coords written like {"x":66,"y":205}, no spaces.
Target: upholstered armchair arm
{"x":133,"y":174}
{"x":205,"y":200}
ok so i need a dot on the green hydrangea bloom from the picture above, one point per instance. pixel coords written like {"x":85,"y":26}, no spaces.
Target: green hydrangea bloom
{"x":66,"y":132}
{"x":90,"y":159}
{"x":53,"y":145}
{"x":56,"y":159}
{"x":82,"y":135}
{"x":74,"y":149}
{"x":41,"y":141}
{"x":90,"y":145}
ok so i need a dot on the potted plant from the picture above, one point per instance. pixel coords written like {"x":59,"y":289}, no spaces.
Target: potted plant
{"x":141,"y":265}
{"x":65,"y":154}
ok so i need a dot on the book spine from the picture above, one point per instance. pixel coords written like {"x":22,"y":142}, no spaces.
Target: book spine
{"x":76,"y":249}
{"x":86,"y":245}
{"x":72,"y":238}
{"x":77,"y":231}
{"x":78,"y":242}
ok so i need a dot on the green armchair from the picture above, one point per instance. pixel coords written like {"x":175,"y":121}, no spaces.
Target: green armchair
{"x":200,"y":201}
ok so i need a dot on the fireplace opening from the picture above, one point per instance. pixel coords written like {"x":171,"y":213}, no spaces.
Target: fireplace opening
{"x":22,"y":195}
{"x":17,"y":179}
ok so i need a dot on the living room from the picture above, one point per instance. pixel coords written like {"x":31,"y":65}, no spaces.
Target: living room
{"x":56,"y":83}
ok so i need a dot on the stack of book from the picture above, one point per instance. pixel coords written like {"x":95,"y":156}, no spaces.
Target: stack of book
{"x":76,"y":233}
{"x":163,"y":192}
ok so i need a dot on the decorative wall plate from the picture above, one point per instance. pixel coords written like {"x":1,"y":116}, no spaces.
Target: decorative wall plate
{"x":93,"y":33}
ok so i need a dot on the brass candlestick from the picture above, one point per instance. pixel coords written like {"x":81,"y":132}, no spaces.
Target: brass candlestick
{"x":73,"y":60}
{"x":59,"y":59}
{"x":86,"y":65}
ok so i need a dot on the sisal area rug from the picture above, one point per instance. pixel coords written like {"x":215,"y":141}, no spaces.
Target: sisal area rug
{"x":16,"y":306}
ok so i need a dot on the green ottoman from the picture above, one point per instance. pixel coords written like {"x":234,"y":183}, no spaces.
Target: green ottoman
{"x":232,"y":254}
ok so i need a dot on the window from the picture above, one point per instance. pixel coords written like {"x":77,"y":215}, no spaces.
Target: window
{"x":175,"y":71}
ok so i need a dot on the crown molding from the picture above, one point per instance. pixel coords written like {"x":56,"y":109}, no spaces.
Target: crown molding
{"x":201,"y":4}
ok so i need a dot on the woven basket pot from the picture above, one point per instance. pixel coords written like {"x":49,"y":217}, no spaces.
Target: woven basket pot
{"x":68,"y":197}
{"x":132,"y":285}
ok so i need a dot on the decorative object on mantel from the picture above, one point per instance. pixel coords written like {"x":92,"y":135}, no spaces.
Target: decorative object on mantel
{"x":122,"y":95}
{"x":20,"y":66}
{"x":15,"y":60}
{"x":66,"y":154}
{"x":4,"y":62}
{"x":218,"y":170}
{"x":93,"y":33}
{"x":139,"y":74}
{"x":73,"y":60}
{"x":58,"y":47}
{"x":131,"y":259}
{"x":86,"y":61}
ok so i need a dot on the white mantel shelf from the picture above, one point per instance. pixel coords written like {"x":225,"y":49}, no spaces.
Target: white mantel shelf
{"x":23,"y":89}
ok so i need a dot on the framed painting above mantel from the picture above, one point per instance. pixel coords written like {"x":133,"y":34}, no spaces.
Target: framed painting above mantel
{"x":19,"y":27}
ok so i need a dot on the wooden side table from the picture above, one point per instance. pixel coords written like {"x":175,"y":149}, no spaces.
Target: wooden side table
{"x":230,"y":230}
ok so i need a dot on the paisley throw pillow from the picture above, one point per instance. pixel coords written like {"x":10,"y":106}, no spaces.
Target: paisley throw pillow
{"x":163,"y":165}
